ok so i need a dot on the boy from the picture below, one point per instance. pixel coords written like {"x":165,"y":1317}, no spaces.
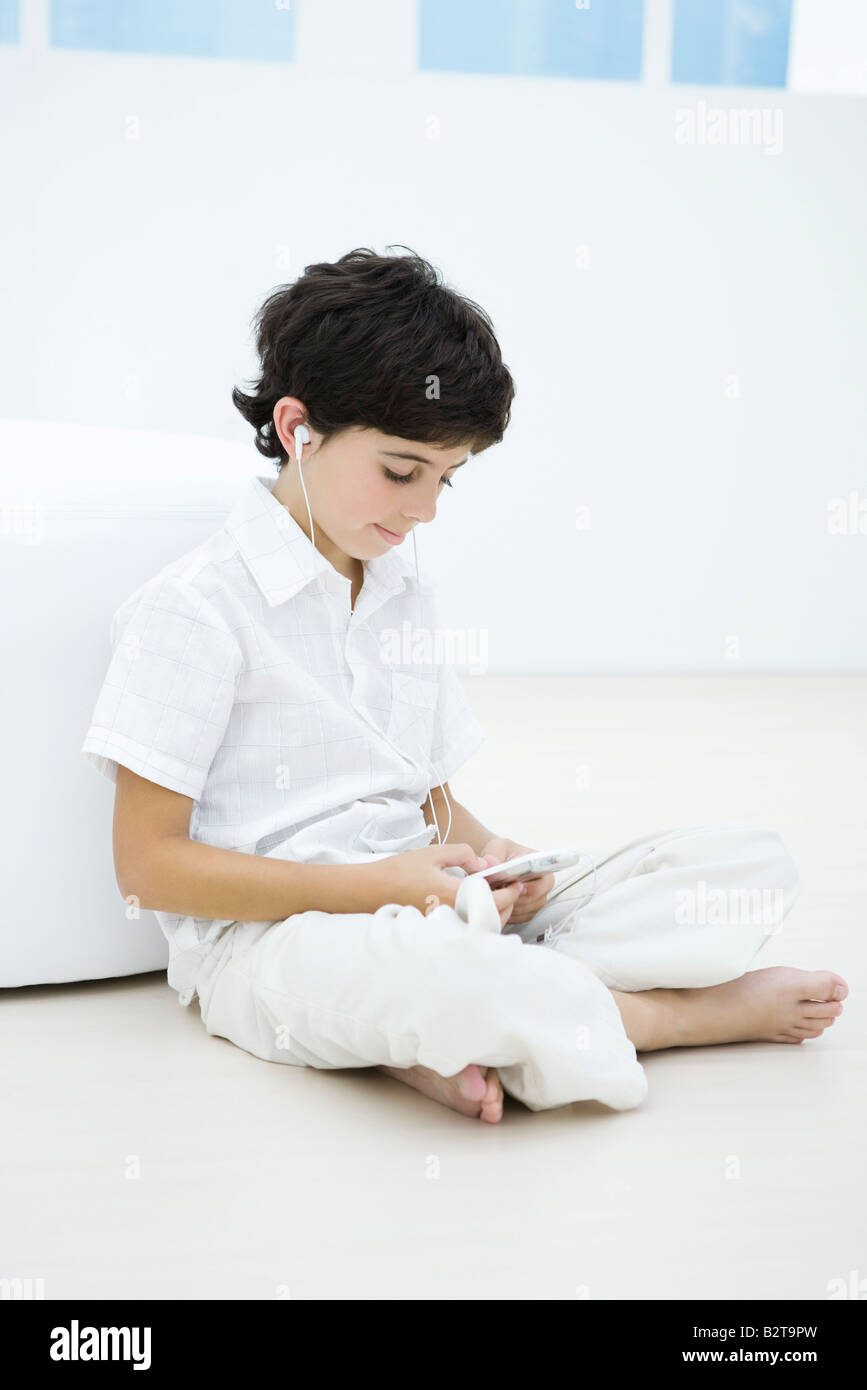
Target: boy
{"x":280,"y":784}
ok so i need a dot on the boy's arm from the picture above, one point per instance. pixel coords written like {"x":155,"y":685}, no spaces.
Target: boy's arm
{"x":158,"y":865}
{"x":188,"y":877}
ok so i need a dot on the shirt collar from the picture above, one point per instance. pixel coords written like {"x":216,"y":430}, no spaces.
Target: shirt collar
{"x":281,"y":557}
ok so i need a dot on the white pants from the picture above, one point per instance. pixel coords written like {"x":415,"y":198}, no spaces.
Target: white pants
{"x":684,"y":907}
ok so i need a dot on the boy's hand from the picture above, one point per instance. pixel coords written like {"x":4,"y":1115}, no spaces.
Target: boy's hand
{"x":418,"y":877}
{"x":496,"y":851}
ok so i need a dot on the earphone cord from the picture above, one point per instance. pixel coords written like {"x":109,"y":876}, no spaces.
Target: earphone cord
{"x":431,"y":768}
{"x":551,"y":932}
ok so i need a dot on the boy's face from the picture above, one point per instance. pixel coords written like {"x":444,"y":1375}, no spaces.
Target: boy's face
{"x":356,"y":490}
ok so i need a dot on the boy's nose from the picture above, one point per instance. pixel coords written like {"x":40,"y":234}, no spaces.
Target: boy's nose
{"x":423,"y":514}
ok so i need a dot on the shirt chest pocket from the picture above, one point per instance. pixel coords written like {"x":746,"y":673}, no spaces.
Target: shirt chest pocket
{"x":413,"y":709}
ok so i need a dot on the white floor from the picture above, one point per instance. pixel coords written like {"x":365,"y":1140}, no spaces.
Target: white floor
{"x":146,"y":1159}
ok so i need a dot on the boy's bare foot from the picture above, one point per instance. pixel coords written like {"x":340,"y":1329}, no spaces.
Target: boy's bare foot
{"x":777,"y":1004}
{"x":475,"y":1091}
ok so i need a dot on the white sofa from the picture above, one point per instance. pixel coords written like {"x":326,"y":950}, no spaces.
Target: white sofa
{"x":87,"y":514}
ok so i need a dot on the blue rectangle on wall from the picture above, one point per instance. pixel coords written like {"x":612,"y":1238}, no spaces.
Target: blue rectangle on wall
{"x":737,"y":43}
{"x":9,"y":30}
{"x":533,"y":38}
{"x":261,"y":29}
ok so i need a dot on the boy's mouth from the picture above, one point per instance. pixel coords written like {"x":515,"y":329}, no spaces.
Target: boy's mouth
{"x":393,"y":536}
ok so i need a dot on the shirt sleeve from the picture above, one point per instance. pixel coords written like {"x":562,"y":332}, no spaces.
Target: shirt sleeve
{"x":457,"y":733}
{"x":167,"y":697}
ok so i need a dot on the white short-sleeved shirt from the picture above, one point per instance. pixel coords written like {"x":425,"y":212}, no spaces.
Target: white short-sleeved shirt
{"x":302,"y":729}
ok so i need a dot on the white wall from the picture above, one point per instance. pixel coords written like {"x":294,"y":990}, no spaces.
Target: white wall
{"x":698,"y":385}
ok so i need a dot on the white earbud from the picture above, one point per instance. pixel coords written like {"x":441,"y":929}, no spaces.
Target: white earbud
{"x":302,"y":437}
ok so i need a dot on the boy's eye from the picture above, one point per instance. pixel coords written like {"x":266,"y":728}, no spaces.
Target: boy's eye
{"x":408,"y":477}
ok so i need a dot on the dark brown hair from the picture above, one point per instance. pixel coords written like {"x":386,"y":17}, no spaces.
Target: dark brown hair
{"x":379,"y":342}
